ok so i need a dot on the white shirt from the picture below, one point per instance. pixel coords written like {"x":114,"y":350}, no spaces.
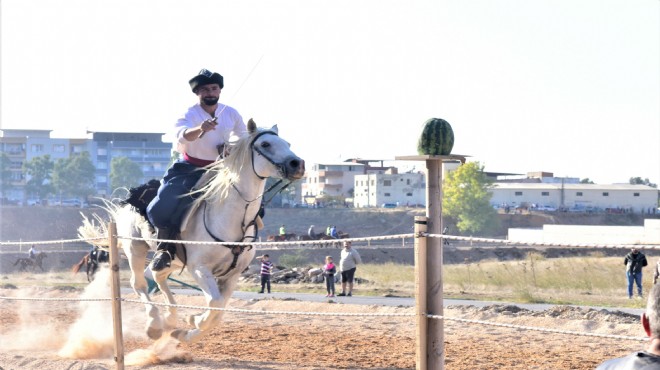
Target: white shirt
{"x":230,"y":123}
{"x":350,"y":258}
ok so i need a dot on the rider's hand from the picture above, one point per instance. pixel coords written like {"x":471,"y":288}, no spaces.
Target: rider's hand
{"x":208,"y":125}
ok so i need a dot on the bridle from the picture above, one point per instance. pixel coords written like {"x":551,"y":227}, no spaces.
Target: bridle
{"x":237,"y":250}
{"x":258,"y":150}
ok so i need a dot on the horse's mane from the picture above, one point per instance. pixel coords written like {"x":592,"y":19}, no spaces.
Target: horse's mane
{"x":223,"y":174}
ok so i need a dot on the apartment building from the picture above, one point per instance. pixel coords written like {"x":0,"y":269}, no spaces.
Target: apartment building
{"x":389,"y":190}
{"x":330,"y":179}
{"x":23,"y":145}
{"x":144,"y":148}
{"x":147,"y":149}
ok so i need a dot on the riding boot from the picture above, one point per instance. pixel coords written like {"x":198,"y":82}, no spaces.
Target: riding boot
{"x":165,"y":251}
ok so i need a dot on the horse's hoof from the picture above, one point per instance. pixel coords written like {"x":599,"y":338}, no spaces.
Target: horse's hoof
{"x":154,"y":333}
{"x":178,"y":334}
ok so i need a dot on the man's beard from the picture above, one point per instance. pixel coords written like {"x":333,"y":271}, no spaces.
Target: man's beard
{"x":210,"y":101}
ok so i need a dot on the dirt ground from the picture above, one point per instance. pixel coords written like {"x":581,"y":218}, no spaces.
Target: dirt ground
{"x":49,"y":335}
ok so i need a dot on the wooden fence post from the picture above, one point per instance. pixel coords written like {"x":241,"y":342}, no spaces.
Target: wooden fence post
{"x":436,"y":340}
{"x":435,"y":345}
{"x":421,"y":343}
{"x":116,"y":297}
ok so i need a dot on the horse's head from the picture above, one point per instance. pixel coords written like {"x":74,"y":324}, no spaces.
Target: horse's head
{"x":272,"y":155}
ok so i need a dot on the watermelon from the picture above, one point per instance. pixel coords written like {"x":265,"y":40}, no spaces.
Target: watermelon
{"x":437,"y":138}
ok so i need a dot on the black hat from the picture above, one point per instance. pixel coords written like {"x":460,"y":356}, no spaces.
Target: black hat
{"x":205,"y":77}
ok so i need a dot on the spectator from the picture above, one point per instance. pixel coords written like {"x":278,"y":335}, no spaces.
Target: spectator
{"x":649,"y":359}
{"x":656,"y":274}
{"x":329,"y":271}
{"x":350,"y":258}
{"x":266,"y":269}
{"x":635,"y":261}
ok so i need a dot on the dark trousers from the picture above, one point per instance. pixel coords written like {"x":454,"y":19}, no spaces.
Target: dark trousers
{"x":330,"y":284}
{"x":265,"y":282}
{"x":167,"y":209}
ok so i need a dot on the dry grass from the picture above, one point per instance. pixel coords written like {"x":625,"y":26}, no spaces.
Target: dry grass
{"x":592,"y":281}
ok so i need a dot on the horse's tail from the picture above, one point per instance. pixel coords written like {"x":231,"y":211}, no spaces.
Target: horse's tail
{"x":17,"y":261}
{"x":92,"y":232}
{"x":79,"y":265}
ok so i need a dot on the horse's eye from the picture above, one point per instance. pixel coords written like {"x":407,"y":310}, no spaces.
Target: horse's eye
{"x":265,"y":144}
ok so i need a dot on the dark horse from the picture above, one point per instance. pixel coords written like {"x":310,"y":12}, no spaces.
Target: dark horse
{"x":281,"y":238}
{"x":32,"y":263}
{"x":92,"y":260}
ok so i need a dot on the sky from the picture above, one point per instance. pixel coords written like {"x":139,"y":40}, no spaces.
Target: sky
{"x":563,"y":86}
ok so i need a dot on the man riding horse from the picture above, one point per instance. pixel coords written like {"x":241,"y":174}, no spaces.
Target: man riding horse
{"x":203,"y":133}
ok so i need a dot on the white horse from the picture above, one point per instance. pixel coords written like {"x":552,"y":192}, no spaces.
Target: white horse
{"x":230,"y":195}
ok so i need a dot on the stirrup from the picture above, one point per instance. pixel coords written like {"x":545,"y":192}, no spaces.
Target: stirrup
{"x":162,"y":260}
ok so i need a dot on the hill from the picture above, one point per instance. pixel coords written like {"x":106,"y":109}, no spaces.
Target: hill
{"x":51,"y":223}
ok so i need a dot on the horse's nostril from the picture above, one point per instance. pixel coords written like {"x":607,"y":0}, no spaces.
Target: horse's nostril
{"x":294,"y":163}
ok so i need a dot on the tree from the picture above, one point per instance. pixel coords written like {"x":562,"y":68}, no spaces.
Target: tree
{"x":586,"y":181}
{"x":124,"y":173}
{"x":74,"y":176}
{"x":39,"y":171}
{"x":5,"y":174}
{"x":639,"y":181}
{"x":466,"y":199}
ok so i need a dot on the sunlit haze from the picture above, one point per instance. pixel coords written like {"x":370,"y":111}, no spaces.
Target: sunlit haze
{"x":569,"y":87}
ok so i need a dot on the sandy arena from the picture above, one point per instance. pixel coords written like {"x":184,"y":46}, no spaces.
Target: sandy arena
{"x":74,"y":335}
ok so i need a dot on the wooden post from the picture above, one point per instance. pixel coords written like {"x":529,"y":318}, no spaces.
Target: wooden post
{"x":116,"y":297}
{"x":436,"y":342}
{"x":435,"y":345}
{"x":421,"y":345}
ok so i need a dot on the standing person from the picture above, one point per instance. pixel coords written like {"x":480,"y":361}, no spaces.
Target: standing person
{"x":202,"y":133}
{"x":266,"y":269}
{"x":350,"y":258}
{"x":329,"y":271}
{"x":649,"y":359}
{"x":656,"y":273}
{"x":635,"y":261}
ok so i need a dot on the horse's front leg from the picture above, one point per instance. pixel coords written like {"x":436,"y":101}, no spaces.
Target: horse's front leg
{"x":215,"y":298}
{"x":160,"y":277}
{"x":136,"y":260}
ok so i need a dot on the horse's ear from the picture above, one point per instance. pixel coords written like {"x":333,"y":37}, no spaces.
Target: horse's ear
{"x":275,"y":129}
{"x":251,"y":126}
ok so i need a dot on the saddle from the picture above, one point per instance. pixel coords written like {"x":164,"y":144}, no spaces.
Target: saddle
{"x":139,"y":198}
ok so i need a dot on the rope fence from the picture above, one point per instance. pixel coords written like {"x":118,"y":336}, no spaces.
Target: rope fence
{"x":335,"y":314}
{"x":339,"y":241}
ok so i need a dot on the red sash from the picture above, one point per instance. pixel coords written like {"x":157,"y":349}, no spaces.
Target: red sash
{"x":196,"y":161}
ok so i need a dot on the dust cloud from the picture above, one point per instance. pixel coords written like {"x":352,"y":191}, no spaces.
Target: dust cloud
{"x":91,"y":336}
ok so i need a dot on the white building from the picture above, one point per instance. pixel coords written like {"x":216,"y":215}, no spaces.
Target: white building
{"x":635,"y":198}
{"x":330,"y":179}
{"x":404,"y":189}
{"x":590,"y":234}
